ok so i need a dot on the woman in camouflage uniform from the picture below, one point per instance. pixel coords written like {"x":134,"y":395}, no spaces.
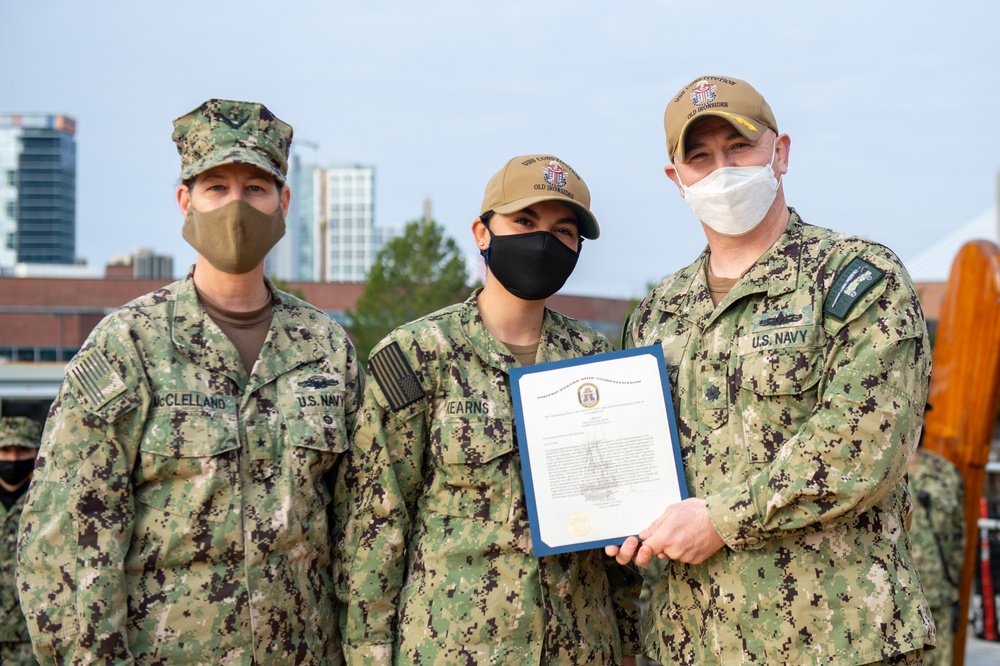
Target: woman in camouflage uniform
{"x":440,"y":562}
{"x":179,"y":509}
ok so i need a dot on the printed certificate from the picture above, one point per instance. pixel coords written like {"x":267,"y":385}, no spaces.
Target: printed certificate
{"x":599,"y":450}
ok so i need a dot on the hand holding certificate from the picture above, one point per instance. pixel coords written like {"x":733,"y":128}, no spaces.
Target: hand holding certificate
{"x":598,"y":445}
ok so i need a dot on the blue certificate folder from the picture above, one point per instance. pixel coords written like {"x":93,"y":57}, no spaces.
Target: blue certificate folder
{"x":594,"y":497}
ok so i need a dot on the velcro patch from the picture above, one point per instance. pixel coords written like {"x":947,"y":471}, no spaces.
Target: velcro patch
{"x":96,"y":379}
{"x":853,"y":282}
{"x":395,"y":377}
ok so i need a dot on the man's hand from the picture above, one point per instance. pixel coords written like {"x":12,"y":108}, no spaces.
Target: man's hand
{"x":683,"y":533}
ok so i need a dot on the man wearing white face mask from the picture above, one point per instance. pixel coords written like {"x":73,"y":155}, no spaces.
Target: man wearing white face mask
{"x":798,"y":360}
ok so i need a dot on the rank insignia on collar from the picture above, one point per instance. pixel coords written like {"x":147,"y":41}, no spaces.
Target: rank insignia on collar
{"x":851,"y":284}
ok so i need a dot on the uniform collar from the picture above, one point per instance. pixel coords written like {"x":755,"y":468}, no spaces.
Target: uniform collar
{"x":776,"y":272}
{"x":289,"y":342}
{"x":493,"y":352}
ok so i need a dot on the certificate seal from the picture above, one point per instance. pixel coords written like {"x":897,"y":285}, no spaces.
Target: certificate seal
{"x":588,"y":395}
{"x":578,"y":524}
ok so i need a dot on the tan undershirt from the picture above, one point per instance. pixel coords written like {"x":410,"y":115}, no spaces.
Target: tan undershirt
{"x":525,"y":354}
{"x":718,"y":287}
{"x":246,"y":330}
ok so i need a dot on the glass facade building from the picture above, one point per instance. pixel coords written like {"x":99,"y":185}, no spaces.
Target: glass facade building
{"x":37,"y":189}
{"x":330,"y":232}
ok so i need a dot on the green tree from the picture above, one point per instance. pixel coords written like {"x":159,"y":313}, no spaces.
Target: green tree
{"x":413,"y":275}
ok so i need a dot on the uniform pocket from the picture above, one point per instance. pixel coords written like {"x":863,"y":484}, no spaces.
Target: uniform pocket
{"x":188,"y":464}
{"x":779,"y":389}
{"x":314,"y":428}
{"x":474,"y":461}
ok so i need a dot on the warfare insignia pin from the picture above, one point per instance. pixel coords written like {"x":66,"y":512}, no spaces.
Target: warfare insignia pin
{"x":318,"y":382}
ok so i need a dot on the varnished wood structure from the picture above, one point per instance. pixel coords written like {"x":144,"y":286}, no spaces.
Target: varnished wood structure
{"x":965,"y":391}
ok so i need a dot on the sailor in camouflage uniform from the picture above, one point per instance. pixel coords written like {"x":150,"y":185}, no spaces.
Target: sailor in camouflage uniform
{"x":179,"y":513}
{"x":19,"y":437}
{"x":441,"y":565}
{"x":798,"y":361}
{"x":937,"y":536}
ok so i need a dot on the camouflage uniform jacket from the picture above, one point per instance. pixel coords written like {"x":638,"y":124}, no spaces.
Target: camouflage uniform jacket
{"x":796,"y":427}
{"x":441,"y":548}
{"x":178,"y":513}
{"x":937,"y":534}
{"x":12,"y":626}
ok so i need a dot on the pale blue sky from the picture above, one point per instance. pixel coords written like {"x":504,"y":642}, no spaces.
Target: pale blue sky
{"x":890,"y":106}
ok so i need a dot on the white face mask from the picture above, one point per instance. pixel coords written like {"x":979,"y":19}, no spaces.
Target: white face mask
{"x":733,"y":200}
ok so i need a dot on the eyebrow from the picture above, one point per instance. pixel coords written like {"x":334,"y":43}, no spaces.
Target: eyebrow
{"x":734,"y":134}
{"x":532,"y":214}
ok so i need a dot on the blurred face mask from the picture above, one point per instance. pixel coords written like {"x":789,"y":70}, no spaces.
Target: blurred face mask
{"x":531,"y":266}
{"x":733,"y":200}
{"x":13,"y":472}
{"x":235,"y":237}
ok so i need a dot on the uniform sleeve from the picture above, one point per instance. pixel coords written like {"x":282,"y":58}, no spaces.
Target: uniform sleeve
{"x":355,"y":375}
{"x":78,"y":517}
{"x":381,"y":481}
{"x":853,"y":448}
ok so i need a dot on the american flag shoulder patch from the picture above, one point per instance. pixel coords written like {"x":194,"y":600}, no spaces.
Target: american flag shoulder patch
{"x":95,"y":379}
{"x":395,"y":377}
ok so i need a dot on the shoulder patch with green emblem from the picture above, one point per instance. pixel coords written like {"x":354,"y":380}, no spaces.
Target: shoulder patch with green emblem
{"x":96,"y":380}
{"x":395,"y":377}
{"x":853,"y":282}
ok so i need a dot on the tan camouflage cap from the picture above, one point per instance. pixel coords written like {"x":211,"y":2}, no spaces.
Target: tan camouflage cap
{"x":222,"y":131}
{"x":20,"y":431}
{"x":731,"y":99}
{"x":528,"y":179}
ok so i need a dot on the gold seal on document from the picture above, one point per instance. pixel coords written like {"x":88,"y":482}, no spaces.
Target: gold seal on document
{"x":578,"y":524}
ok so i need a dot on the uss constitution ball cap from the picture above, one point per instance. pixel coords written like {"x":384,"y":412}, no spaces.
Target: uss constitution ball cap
{"x":529,"y":179}
{"x":732,"y":99}
{"x":223,"y":131}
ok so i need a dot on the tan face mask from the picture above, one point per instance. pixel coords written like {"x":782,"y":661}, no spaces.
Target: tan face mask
{"x":235,"y":237}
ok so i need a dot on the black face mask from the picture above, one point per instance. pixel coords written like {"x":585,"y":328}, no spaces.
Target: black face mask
{"x":14,"y":472}
{"x":531,"y":266}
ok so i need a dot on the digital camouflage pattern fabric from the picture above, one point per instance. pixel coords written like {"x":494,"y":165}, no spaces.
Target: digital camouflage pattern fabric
{"x":796,"y":428}
{"x":937,"y":538}
{"x":222,"y":131}
{"x":439,"y":547}
{"x":179,"y":511}
{"x":15,"y":643}
{"x":20,"y":431}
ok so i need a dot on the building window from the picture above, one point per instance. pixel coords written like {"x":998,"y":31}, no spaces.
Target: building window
{"x":12,"y":178}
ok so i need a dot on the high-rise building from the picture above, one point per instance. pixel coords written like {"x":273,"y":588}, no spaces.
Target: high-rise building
{"x":37,"y":189}
{"x":330,"y":232}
